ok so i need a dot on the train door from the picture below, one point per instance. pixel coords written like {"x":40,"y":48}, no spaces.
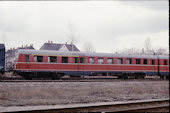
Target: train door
{"x":81,"y":65}
{"x":76,"y":65}
{"x":79,"y":68}
{"x":158,"y":67}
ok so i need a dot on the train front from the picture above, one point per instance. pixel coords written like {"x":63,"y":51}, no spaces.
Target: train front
{"x":2,"y":59}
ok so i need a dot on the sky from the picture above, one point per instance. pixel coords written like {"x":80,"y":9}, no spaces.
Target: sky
{"x":107,"y":25}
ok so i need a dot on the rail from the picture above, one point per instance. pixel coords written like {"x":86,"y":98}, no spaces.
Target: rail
{"x":83,"y":80}
{"x":158,"y":105}
{"x":101,"y":79}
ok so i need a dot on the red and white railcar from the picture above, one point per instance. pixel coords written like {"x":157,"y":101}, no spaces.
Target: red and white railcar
{"x":40,"y":63}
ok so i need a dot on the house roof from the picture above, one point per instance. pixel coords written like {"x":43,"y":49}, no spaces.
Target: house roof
{"x":55,"y":46}
{"x":28,"y":47}
{"x":11,"y":52}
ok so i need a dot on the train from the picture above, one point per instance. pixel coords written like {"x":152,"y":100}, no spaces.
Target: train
{"x":55,"y":64}
{"x":2,"y":59}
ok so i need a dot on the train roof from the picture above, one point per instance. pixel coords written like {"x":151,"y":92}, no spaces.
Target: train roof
{"x":68,"y":53}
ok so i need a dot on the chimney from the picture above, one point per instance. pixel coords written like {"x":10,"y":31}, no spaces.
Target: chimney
{"x":51,"y":42}
{"x":66,"y":43}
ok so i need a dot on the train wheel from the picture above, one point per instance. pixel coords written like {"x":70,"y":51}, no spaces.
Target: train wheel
{"x":143,"y":77}
{"x":119,"y":77}
{"x":125,"y":77}
{"x":162,"y":76}
{"x":167,"y":77}
{"x":27,"y":76}
{"x":55,"y":77}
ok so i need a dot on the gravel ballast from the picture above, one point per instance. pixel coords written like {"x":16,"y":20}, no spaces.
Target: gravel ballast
{"x":58,"y":93}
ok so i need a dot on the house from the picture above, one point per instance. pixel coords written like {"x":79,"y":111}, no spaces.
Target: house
{"x":10,"y":56}
{"x":59,"y":47}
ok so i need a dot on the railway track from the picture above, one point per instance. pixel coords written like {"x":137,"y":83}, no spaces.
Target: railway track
{"x":75,"y":79}
{"x":154,"y":105}
{"x":79,"y":80}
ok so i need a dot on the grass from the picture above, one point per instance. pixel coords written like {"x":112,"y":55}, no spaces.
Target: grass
{"x":52,"y":93}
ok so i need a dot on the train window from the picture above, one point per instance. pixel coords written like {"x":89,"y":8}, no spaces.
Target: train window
{"x":81,"y":60}
{"x":100,"y":60}
{"x":38,"y":58}
{"x":165,"y":62}
{"x":64,"y":59}
{"x":153,"y":62}
{"x":75,"y":60}
{"x":91,"y":60}
{"x":145,"y":61}
{"x":137,"y":61}
{"x":119,"y":61}
{"x":110,"y":61}
{"x":26,"y":58}
{"x":128,"y":61}
{"x":52,"y":59}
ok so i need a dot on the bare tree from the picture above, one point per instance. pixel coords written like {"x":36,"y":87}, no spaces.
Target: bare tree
{"x":72,"y":33}
{"x":148,"y":46}
{"x":132,"y":51}
{"x":115,"y":51}
{"x":88,"y":47}
{"x":150,"y":50}
{"x":161,"y":51}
